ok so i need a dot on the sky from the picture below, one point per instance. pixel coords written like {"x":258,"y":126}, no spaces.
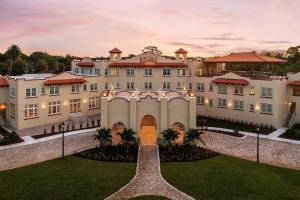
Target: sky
{"x":202,"y":27}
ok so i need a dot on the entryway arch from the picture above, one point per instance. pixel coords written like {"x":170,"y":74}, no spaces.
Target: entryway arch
{"x":148,"y":130}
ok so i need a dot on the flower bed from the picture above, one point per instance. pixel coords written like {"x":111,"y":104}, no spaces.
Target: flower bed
{"x":292,"y":133}
{"x":117,"y":153}
{"x":238,"y":126}
{"x":9,"y":138}
{"x":182,"y":153}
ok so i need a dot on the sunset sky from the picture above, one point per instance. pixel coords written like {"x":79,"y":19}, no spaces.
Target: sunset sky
{"x":203,"y":27}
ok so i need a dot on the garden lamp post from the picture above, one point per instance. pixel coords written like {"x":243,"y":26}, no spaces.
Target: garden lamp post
{"x":257,"y":144}
{"x":62,"y":130}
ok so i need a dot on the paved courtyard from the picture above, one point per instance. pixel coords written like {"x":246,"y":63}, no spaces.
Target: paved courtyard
{"x":272,"y":152}
{"x":148,"y":180}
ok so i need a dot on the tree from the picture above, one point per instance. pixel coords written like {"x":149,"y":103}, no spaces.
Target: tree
{"x":3,"y":68}
{"x":53,"y":64}
{"x":170,"y":136}
{"x":103,"y":136}
{"x":152,"y":50}
{"x":127,"y":137}
{"x":41,"y":65}
{"x":191,"y":136}
{"x":13,"y":53}
{"x":19,"y":68}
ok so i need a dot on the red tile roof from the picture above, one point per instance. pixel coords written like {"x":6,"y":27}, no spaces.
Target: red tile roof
{"x":294,"y":83}
{"x":249,"y":57}
{"x":115,"y":50}
{"x":86,"y":64}
{"x":230,"y":81}
{"x":124,"y":64}
{"x":181,"y":50}
{"x":65,"y":81}
{"x":3,"y":82}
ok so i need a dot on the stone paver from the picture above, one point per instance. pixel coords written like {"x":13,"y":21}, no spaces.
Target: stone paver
{"x":272,"y":152}
{"x":148,"y":179}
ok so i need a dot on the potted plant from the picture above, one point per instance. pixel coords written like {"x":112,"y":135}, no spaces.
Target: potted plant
{"x":170,"y":136}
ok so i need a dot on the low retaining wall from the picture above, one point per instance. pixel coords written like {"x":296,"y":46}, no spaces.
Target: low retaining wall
{"x":44,"y":150}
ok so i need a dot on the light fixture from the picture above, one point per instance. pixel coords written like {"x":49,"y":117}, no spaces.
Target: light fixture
{"x":257,"y":107}
{"x":132,"y":95}
{"x":43,"y":105}
{"x":84,"y":100}
{"x":65,"y":103}
{"x":104,"y":94}
{"x":230,"y":104}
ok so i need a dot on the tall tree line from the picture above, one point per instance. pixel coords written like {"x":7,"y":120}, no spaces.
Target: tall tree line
{"x":14,"y":62}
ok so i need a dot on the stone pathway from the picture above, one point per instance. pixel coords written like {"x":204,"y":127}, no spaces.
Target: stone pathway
{"x":148,"y":179}
{"x":271,"y":151}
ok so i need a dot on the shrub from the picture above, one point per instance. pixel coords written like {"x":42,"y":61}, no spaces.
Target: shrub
{"x":73,"y":126}
{"x":103,"y":136}
{"x":45,"y":131}
{"x":11,"y":138}
{"x":52,"y":129}
{"x":170,"y":136}
{"x":117,"y":153}
{"x":182,"y":153}
{"x":80,"y":126}
{"x":291,"y":134}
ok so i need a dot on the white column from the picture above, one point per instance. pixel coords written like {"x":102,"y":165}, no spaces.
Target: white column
{"x":163,"y":114}
{"x":133,"y":114}
{"x":104,"y":112}
{"x":192,"y":112}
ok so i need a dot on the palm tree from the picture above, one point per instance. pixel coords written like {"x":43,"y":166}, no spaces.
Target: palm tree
{"x":13,"y":53}
{"x":170,"y":136}
{"x":103,"y":136}
{"x":192,"y":135}
{"x":127,"y":137}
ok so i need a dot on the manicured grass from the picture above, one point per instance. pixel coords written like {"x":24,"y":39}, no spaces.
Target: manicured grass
{"x":149,"y":198}
{"x":72,"y":178}
{"x":224,"y":177}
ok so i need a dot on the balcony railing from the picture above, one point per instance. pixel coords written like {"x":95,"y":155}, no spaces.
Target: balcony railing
{"x":254,"y":75}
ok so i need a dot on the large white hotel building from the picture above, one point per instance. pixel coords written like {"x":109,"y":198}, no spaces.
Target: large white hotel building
{"x":36,"y":100}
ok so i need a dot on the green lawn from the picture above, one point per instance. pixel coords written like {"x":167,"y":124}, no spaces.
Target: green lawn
{"x":224,"y":177}
{"x":72,"y":178}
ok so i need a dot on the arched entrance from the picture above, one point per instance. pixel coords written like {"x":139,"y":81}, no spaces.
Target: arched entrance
{"x":117,"y":128}
{"x":148,"y":130}
{"x":179,"y":127}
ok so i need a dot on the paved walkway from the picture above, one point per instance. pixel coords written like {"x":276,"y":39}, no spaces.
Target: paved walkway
{"x":273,"y":152}
{"x":148,"y":180}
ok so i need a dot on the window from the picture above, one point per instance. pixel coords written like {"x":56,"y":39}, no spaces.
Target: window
{"x":75,"y":88}
{"x":180,"y":85}
{"x":54,"y":108}
{"x":106,"y":72}
{"x":238,"y":90}
{"x":84,"y":87}
{"x":210,"y":102}
{"x":222,"y":103}
{"x":82,"y":71}
{"x":296,"y":91}
{"x":130,"y":72}
{"x":130,"y":85}
{"x":190,"y":86}
{"x":94,"y":87}
{"x":148,"y":72}
{"x":76,"y":70}
{"x":166,"y":72}
{"x":200,"y":100}
{"x":114,"y":72}
{"x":75,"y":105}
{"x":106,"y":86}
{"x":266,"y":108}
{"x":252,"y":90}
{"x":12,"y":110}
{"x":181,"y":72}
{"x":94,"y":102}
{"x":251,"y":108}
{"x":12,"y":92}
{"x":91,"y":71}
{"x":210,"y":87}
{"x":148,"y":85}
{"x":31,"y":111}
{"x":200,"y":87}
{"x":54,"y":90}
{"x":266,"y":92}
{"x":222,"y":89}
{"x":166,"y":85}
{"x":238,"y":105}
{"x":43,"y":90}
{"x":116,"y":85}
{"x":97,"y":71}
{"x":30,"y":92}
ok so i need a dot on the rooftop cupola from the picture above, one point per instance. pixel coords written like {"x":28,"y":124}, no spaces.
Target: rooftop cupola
{"x":181,"y":54}
{"x":115,"y":54}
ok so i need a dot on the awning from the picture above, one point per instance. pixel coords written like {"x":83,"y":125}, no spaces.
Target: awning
{"x":86,"y":64}
{"x":230,"y":81}
{"x":65,"y":81}
{"x":294,"y":83}
{"x":3,"y":82}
